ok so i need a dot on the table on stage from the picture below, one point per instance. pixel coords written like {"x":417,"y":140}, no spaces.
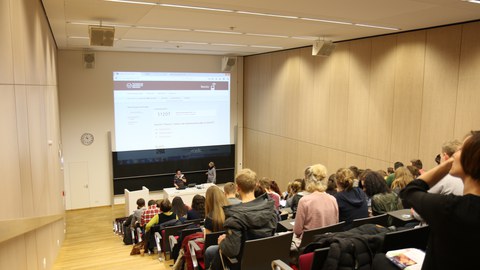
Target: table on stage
{"x":188,"y":193}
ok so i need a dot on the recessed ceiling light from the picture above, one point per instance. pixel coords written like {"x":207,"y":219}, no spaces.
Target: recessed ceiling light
{"x":77,"y":37}
{"x":326,"y":21}
{"x":162,"y":28}
{"x":217,"y":32}
{"x":188,"y":42}
{"x":132,"y":2}
{"x":194,"y":7}
{"x":266,"y":14}
{"x":142,"y":40}
{"x":229,"y":44}
{"x":265,"y":35}
{"x":376,"y":26}
{"x":306,"y":37}
{"x":266,"y":47}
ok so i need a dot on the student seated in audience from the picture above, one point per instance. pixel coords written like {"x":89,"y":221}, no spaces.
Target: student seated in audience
{"x":401,"y":180}
{"x":296,"y":198}
{"x":275,"y":188}
{"x":449,"y":184}
{"x":417,"y":163}
{"x":414,"y":171}
{"x":383,"y":200}
{"x":391,"y":176}
{"x":149,"y":213}
{"x":197,"y":210}
{"x":165,"y":215}
{"x":352,"y":201}
{"x":295,"y":187}
{"x":332,"y":185}
{"x":230,"y":190}
{"x":214,"y":215}
{"x":318,"y":208}
{"x":179,"y":207}
{"x":356,"y":173}
{"x":265,"y":184}
{"x":137,"y":214}
{"x":454,"y":220}
{"x":252,"y":219}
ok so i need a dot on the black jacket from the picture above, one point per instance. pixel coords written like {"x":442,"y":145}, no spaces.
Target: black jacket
{"x":246,"y":221}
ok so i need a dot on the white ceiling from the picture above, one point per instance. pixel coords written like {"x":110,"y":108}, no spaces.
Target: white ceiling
{"x":163,"y":28}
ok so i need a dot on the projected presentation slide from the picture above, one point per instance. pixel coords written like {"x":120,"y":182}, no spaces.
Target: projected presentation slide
{"x":158,"y":110}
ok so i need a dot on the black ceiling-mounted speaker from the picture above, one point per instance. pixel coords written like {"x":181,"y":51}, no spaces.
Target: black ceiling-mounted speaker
{"x":101,"y":35}
{"x":228,"y":62}
{"x":89,"y":60}
{"x":323,"y":48}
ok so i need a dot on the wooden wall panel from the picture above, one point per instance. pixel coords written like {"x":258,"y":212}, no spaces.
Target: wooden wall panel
{"x":321,"y":100}
{"x":54,"y":170}
{"x":13,"y":254}
{"x":371,"y":103}
{"x":37,"y":124}
{"x":9,"y":165}
{"x":31,"y":172}
{"x":338,"y":100}
{"x":289,"y":111}
{"x":305,"y":97}
{"x":336,"y":159}
{"x":21,"y":107}
{"x":408,"y":95}
{"x":467,"y":116}
{"x":355,"y":160}
{"x":255,"y":84}
{"x":305,"y":157}
{"x":19,"y":30}
{"x":380,"y":107}
{"x":440,"y":90}
{"x":358,"y":96}
{"x":249,"y":147}
{"x":6,"y":71}
{"x":276,"y":95}
{"x":376,"y":164}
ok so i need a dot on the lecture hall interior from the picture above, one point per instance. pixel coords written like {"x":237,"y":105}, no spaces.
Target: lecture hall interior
{"x":401,"y":77}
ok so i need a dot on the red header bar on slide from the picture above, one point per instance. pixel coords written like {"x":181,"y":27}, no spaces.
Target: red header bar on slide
{"x":169,"y":85}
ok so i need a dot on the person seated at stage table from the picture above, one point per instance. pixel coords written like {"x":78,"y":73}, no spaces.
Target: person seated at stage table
{"x":179,"y":180}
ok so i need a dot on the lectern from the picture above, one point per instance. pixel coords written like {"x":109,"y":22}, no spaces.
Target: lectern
{"x":131,"y":198}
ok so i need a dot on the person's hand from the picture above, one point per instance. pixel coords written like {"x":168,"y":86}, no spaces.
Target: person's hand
{"x":220,"y":238}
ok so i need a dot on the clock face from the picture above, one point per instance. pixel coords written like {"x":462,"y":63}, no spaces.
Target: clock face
{"x":87,"y":138}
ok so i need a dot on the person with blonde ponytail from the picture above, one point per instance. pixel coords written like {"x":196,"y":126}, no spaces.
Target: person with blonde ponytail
{"x":318,"y":208}
{"x":352,"y":201}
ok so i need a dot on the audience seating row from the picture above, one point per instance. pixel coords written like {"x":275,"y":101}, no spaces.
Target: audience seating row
{"x":403,"y":238}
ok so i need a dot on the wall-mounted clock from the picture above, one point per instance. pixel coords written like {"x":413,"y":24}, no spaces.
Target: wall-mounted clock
{"x":87,"y":138}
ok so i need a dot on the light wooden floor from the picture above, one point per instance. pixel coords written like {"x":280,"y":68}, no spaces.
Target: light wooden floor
{"x":91,"y":244}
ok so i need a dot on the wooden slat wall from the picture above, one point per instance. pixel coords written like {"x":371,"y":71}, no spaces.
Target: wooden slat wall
{"x":372,"y":102}
{"x":31,"y":204}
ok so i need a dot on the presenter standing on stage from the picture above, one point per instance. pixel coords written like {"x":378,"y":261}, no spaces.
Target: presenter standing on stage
{"x":211,"y":173}
{"x":179,"y":180}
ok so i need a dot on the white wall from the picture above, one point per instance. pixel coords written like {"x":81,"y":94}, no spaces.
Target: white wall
{"x":86,"y":105}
